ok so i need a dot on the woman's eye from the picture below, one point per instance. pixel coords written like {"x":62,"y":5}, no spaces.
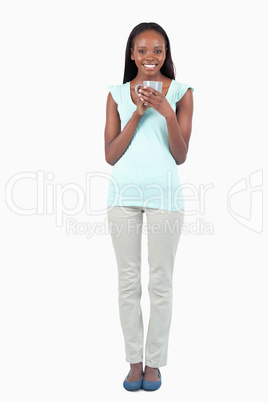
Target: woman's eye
{"x":158,"y":51}
{"x":141,"y":51}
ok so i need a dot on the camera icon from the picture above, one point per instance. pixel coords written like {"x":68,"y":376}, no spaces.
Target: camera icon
{"x":245,"y":201}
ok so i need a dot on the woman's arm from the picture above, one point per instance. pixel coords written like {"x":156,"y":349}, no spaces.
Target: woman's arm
{"x":117,"y":141}
{"x":179,"y":124}
{"x":179,"y":127}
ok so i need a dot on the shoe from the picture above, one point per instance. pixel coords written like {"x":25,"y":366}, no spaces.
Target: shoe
{"x":132,"y":385}
{"x":152,"y":385}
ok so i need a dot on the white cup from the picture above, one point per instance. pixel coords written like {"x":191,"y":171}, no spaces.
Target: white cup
{"x":157,"y":85}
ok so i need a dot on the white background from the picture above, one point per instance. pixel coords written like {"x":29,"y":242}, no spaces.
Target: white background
{"x":60,"y":334}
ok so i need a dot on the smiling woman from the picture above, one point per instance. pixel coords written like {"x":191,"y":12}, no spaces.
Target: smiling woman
{"x":145,"y":155}
{"x":143,"y":39}
{"x":152,"y":56}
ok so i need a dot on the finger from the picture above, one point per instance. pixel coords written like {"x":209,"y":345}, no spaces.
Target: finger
{"x":145,"y":93}
{"x":146,"y":98}
{"x":141,"y":101}
{"x":150,"y":90}
{"x":153,"y":97}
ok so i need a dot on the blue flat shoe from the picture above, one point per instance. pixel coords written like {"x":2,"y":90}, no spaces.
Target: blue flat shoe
{"x":152,"y":385}
{"x":132,"y":385}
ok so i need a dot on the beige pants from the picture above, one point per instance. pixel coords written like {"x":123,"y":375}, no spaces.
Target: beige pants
{"x":163,"y":230}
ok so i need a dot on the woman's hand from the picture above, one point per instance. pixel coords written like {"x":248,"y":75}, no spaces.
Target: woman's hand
{"x":141,"y":107}
{"x":156,"y":100}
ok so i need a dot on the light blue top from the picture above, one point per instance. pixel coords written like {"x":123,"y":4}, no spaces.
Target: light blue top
{"x":146,"y":175}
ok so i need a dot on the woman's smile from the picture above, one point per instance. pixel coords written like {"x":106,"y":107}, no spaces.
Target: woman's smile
{"x":149,"y":67}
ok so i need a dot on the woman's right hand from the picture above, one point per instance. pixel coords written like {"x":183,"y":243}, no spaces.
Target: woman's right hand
{"x":141,"y":107}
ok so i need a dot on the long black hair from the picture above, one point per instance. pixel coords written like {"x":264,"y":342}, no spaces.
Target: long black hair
{"x":131,"y":70}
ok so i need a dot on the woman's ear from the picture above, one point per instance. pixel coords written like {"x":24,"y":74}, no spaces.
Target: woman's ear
{"x":132,"y":54}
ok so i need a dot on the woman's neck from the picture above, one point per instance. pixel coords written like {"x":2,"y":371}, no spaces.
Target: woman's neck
{"x":140,"y":77}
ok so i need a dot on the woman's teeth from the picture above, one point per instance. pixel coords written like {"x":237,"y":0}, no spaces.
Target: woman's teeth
{"x":149,"y":66}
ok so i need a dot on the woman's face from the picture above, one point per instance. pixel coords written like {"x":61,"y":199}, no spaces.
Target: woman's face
{"x":149,"y":52}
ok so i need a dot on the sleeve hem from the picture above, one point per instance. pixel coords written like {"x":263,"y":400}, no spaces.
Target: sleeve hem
{"x":113,"y":91}
{"x":183,"y":93}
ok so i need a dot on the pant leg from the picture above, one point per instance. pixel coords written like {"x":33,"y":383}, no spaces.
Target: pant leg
{"x":125,"y":226}
{"x":163,"y":228}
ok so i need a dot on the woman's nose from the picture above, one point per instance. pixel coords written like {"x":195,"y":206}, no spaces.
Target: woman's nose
{"x":150,"y":57}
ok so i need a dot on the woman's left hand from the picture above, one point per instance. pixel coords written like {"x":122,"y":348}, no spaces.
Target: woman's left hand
{"x":156,"y":100}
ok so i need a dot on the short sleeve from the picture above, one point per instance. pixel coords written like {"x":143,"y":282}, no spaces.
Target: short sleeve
{"x":182,"y":88}
{"x":114,"y":89}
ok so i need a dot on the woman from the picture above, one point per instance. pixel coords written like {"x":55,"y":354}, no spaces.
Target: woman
{"x":145,"y":154}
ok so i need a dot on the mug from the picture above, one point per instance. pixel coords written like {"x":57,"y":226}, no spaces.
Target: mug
{"x":157,"y":85}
